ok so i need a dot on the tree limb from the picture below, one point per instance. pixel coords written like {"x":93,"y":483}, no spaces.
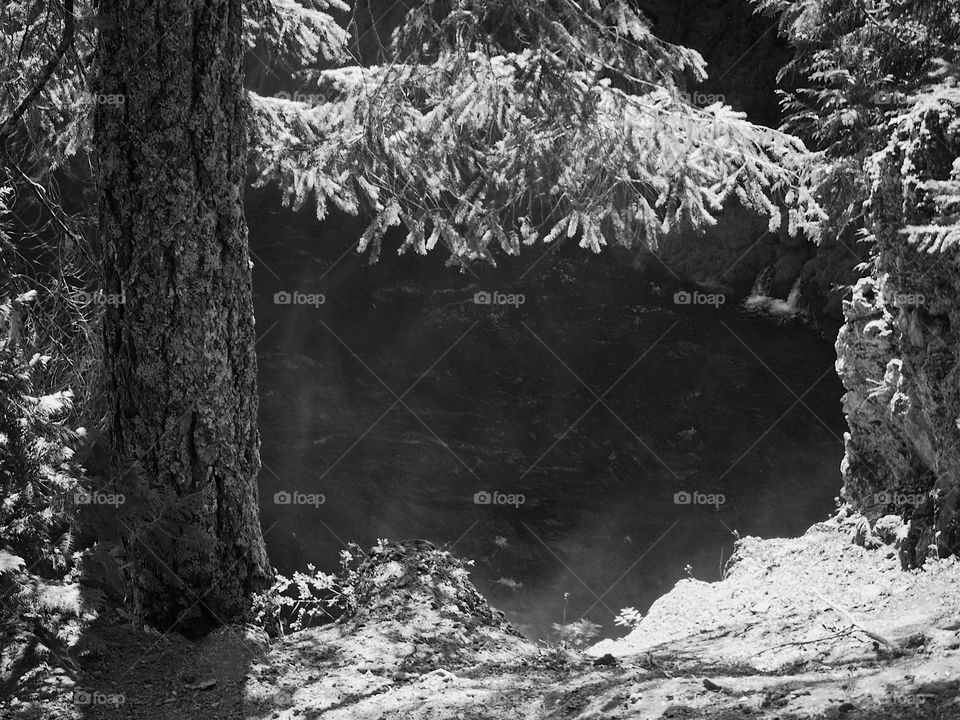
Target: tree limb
{"x":7,"y":126}
{"x":880,"y":27}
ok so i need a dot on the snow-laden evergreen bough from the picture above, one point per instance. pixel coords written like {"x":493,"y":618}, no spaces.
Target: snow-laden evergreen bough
{"x":501,"y":123}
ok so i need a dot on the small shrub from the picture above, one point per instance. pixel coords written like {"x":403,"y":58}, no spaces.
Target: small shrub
{"x":308,"y":598}
{"x":576,"y":634}
{"x":629,"y":617}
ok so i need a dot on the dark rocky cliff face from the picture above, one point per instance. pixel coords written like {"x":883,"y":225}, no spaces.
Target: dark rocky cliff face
{"x":899,"y":350}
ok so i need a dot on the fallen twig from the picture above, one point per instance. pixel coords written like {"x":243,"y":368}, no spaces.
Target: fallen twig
{"x":849,"y":618}
{"x":805,"y":642}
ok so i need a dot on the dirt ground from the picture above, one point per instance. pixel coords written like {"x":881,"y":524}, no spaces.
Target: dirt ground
{"x":809,"y":627}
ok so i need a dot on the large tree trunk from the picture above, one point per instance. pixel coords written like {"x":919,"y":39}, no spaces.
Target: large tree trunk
{"x":180,"y":346}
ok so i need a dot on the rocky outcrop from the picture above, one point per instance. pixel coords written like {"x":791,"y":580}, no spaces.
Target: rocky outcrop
{"x":898,"y":353}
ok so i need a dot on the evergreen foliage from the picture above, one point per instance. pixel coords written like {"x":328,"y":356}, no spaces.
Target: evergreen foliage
{"x":932,"y":127}
{"x":859,"y":67}
{"x":39,"y":479}
{"x":500,"y":123}
{"x":37,"y":474}
{"x":292,"y":34}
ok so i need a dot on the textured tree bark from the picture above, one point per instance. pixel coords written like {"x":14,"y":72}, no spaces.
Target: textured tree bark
{"x":179,"y":345}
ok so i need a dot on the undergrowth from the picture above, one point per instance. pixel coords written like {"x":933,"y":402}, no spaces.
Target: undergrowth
{"x":43,"y":608}
{"x":307,"y":599}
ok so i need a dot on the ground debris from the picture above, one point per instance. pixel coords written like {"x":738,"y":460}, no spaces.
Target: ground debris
{"x":423,"y":644}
